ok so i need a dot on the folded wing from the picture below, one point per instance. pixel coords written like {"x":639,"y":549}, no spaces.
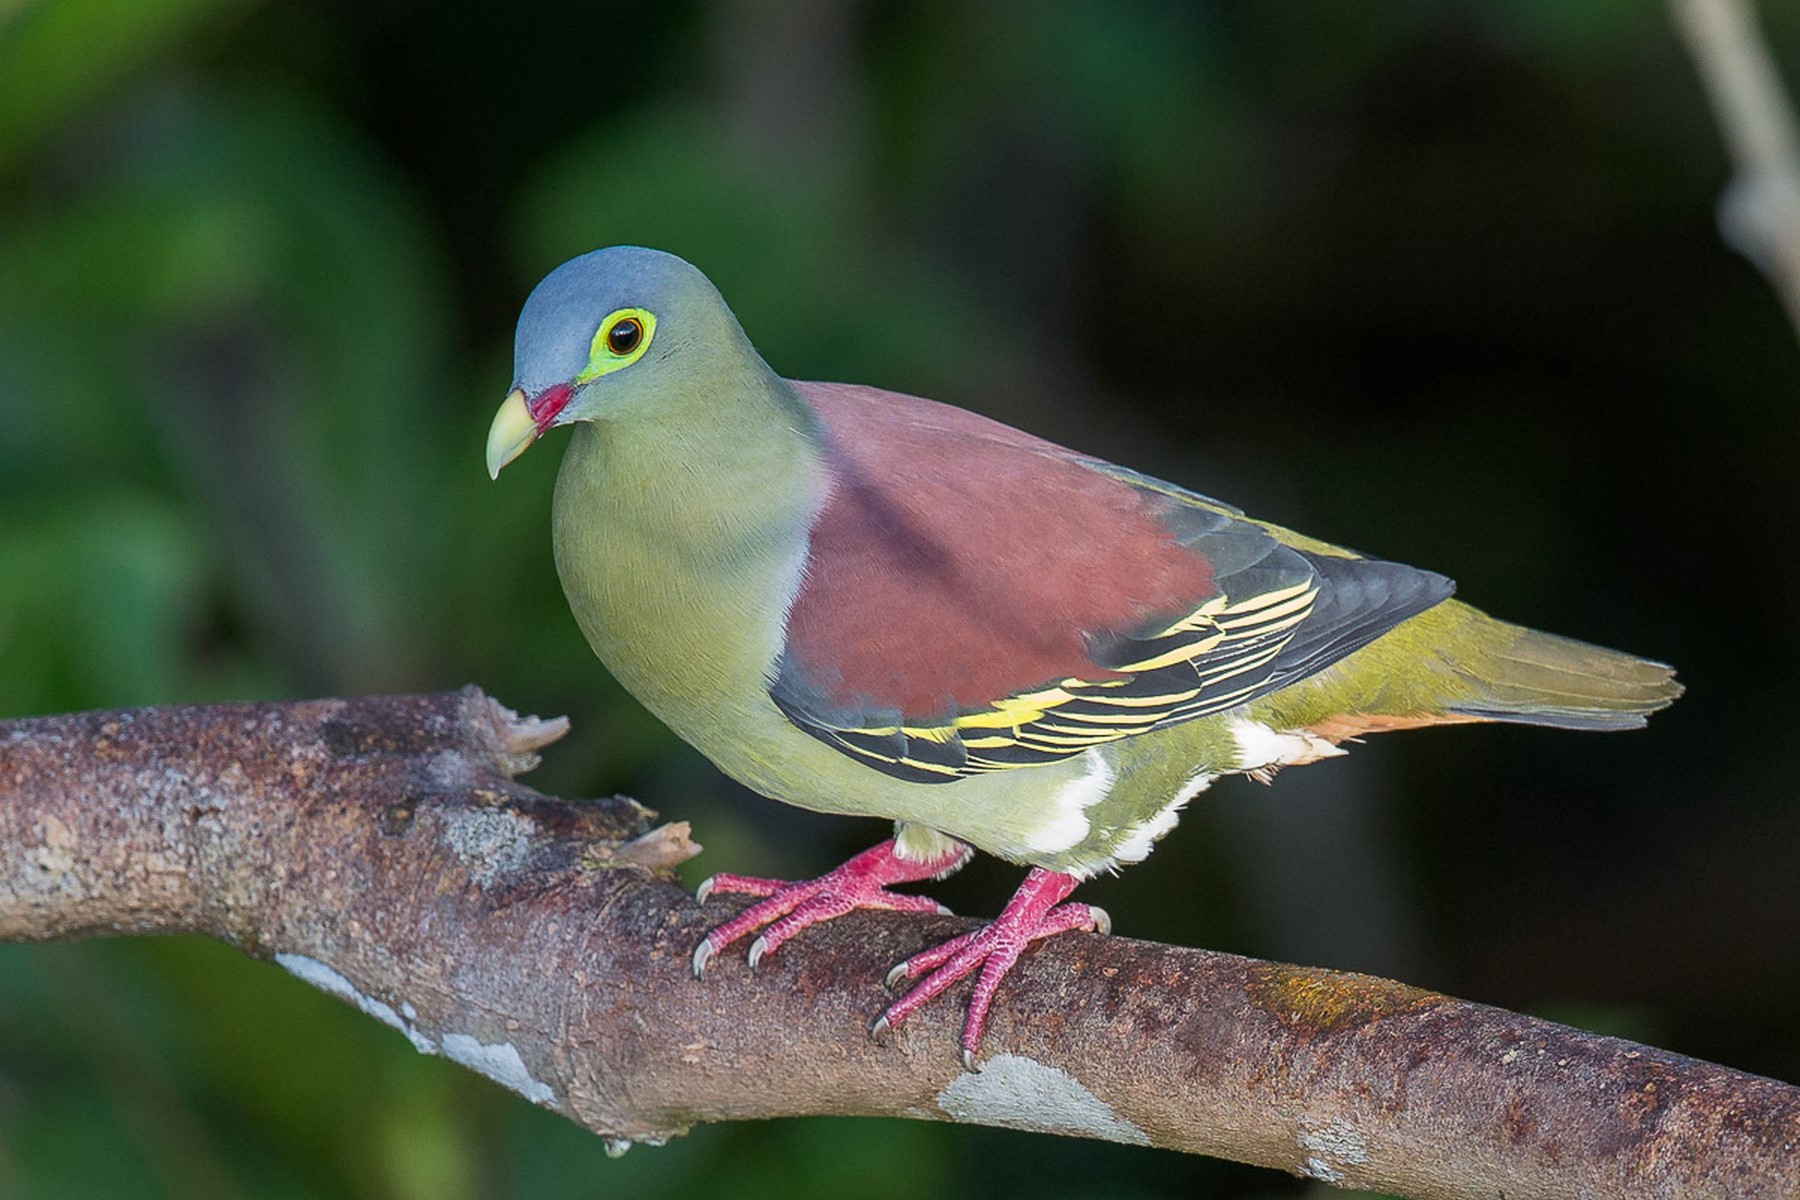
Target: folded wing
{"x":977,"y":599}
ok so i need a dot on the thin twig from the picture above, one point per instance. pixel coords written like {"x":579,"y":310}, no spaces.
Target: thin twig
{"x":1759,"y":213}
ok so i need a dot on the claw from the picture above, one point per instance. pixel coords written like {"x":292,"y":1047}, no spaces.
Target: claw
{"x":944,"y":911}
{"x":1035,"y":911}
{"x":1102,"y":918}
{"x":895,"y":976}
{"x":862,"y":882}
{"x":880,"y":1029}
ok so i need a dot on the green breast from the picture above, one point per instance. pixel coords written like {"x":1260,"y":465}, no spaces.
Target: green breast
{"x":679,"y":580}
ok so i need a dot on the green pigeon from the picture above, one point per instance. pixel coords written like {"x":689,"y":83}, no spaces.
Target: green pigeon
{"x":864,"y":602}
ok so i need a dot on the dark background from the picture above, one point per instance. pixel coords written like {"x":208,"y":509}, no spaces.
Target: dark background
{"x":1439,"y":281}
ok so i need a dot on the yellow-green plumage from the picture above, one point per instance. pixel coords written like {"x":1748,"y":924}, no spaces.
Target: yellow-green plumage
{"x":1453,"y":662}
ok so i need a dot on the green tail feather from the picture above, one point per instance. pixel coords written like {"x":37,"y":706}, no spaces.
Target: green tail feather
{"x":1453,"y":662}
{"x":1542,"y":679}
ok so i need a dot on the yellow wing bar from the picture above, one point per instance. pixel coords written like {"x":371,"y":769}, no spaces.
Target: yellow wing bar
{"x":1210,"y":660}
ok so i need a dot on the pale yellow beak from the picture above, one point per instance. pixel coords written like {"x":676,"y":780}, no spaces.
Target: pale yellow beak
{"x":511,"y":434}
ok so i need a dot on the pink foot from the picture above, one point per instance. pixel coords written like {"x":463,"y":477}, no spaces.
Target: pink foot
{"x":1035,"y":911}
{"x":860,"y":883}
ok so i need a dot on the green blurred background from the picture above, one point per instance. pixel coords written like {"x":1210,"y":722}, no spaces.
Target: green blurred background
{"x":1436,"y":280}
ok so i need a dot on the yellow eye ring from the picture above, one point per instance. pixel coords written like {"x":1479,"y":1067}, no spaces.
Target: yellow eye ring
{"x":621,"y":340}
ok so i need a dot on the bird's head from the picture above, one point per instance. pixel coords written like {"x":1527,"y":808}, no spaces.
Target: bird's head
{"x":602,"y":337}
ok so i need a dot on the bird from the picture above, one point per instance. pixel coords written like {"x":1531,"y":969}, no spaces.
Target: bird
{"x":868,"y":603}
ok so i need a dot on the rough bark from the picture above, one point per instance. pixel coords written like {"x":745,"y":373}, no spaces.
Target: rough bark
{"x":380,"y":849}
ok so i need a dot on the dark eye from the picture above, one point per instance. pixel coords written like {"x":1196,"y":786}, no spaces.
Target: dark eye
{"x":624,"y":336}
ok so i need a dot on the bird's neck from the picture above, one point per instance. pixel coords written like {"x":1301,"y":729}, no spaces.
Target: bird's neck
{"x":687,"y":537}
{"x":705,"y":482}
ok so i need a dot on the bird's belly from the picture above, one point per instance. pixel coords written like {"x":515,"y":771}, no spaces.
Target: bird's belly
{"x":1086,"y":814}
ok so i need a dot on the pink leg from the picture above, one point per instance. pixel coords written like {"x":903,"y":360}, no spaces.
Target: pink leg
{"x":790,"y":907}
{"x":1035,"y":911}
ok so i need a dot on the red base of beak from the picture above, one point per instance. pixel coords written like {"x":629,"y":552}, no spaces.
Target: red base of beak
{"x":547,"y":404}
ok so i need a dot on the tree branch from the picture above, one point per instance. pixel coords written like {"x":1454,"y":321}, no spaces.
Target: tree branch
{"x":380,"y":849}
{"x":1759,"y":214}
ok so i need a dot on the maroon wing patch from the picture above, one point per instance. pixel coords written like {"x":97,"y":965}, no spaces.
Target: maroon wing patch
{"x":958,"y":561}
